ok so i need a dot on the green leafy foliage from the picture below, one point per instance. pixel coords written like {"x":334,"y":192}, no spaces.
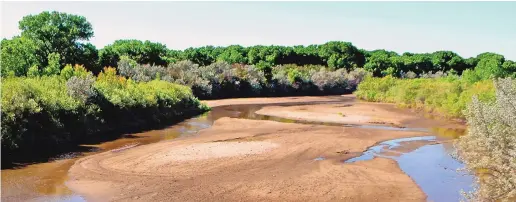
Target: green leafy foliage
{"x":33,"y":72}
{"x":56,"y":32}
{"x":448,"y":95}
{"x":53,"y":66}
{"x":46,"y":111}
{"x":142,"y":52}
{"x":18,"y":55}
{"x":494,"y":65}
{"x":67,"y":72}
{"x":32,"y":105}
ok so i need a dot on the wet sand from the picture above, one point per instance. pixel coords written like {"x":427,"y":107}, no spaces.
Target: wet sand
{"x":241,"y":159}
{"x":253,"y":160}
{"x":46,"y":180}
{"x":249,"y":160}
{"x":280,"y":100}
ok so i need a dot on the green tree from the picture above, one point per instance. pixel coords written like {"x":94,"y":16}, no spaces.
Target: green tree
{"x":53,"y":66}
{"x":18,"y":55}
{"x":56,"y":32}
{"x":203,"y":55}
{"x":142,"y":52}
{"x":88,"y":56}
{"x":256,"y":54}
{"x":233,"y":54}
{"x":447,"y":60}
{"x":490,"y":65}
{"x":417,"y":63}
{"x":378,"y":61}
{"x":339,"y":54}
{"x":509,"y":67}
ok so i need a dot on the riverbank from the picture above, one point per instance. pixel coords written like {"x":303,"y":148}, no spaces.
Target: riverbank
{"x":45,"y":177}
{"x":279,"y":161}
{"x":231,"y":130}
{"x":275,"y":159}
{"x":43,"y":116}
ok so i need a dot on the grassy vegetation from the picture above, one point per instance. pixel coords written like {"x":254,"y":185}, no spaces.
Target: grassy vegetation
{"x":446,"y":95}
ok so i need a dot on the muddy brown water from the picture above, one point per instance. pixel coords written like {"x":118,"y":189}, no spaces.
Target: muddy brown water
{"x":430,"y":165}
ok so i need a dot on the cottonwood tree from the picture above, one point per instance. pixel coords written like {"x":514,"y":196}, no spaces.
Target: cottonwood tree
{"x":56,"y":32}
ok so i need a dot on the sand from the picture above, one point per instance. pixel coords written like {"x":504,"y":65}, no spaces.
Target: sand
{"x":279,"y":100}
{"x":259,"y":160}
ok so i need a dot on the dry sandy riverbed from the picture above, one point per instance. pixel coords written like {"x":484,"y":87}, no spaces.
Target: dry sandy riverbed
{"x":256,"y":160}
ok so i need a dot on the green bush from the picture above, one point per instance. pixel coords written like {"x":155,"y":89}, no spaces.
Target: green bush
{"x":50,"y":110}
{"x":33,"y":105}
{"x":448,"y":95}
{"x":33,"y":71}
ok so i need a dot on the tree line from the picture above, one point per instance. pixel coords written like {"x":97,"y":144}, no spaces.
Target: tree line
{"x":60,"y":36}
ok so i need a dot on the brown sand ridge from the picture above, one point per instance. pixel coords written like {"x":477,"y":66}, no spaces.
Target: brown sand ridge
{"x":257,"y":160}
{"x":357,"y":113}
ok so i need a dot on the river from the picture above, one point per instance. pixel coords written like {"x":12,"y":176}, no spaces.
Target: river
{"x":430,"y":165}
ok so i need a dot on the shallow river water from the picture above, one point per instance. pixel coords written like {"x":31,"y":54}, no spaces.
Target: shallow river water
{"x":430,"y":165}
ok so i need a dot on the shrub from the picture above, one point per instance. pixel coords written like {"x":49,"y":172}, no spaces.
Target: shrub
{"x":470,"y":76}
{"x":32,"y":106}
{"x":410,"y":75}
{"x":252,"y":79}
{"x":356,"y":76}
{"x":67,"y":72}
{"x":489,"y":148}
{"x":130,"y":69}
{"x":222,"y":80}
{"x":448,"y":95}
{"x":375,"y":89}
{"x":44,"y":112}
{"x":438,"y":74}
{"x":33,"y":71}
{"x":188,"y":73}
{"x":81,"y":88}
{"x":330,"y":82}
{"x":54,"y":65}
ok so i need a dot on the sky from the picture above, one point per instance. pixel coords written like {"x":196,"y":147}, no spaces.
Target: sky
{"x":467,"y":28}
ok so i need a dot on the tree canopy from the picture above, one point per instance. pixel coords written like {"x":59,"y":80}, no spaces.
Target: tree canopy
{"x":55,"y":32}
{"x":67,"y":35}
{"x":142,"y":52}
